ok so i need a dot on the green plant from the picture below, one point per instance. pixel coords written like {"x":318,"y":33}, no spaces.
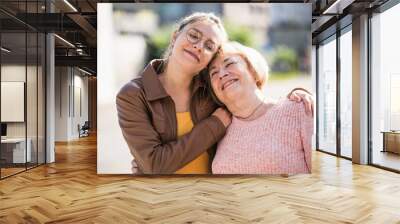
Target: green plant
{"x":158,"y":42}
{"x":284,"y":59}
{"x":239,"y":33}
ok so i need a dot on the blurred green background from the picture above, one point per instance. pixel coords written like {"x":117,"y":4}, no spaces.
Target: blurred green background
{"x":279,"y":31}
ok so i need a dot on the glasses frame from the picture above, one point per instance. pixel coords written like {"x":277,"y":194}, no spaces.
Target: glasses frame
{"x":190,"y":31}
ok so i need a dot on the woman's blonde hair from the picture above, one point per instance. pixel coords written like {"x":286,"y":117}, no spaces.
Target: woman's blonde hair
{"x":195,"y":17}
{"x":255,"y":61}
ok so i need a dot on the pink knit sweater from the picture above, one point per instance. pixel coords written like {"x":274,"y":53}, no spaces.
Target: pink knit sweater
{"x":278,"y":142}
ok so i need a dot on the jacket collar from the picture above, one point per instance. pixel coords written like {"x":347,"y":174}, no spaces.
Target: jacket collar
{"x":152,"y":86}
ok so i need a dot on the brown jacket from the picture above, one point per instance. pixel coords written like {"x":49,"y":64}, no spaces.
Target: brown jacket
{"x":147,"y":119}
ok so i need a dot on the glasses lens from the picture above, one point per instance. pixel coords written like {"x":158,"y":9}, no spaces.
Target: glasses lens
{"x":193,"y":36}
{"x":210,"y":46}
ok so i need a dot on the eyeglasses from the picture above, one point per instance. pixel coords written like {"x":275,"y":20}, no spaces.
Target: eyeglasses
{"x":194,"y":36}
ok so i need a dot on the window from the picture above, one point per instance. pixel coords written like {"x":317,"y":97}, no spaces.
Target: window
{"x":22,"y":78}
{"x":327,"y":96}
{"x":346,"y":93}
{"x":385,"y":89}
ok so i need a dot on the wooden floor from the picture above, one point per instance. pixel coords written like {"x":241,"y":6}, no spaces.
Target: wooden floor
{"x":70,"y":191}
{"x":388,"y":159}
{"x":5,"y":172}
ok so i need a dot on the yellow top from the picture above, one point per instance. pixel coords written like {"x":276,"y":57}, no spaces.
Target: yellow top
{"x":200,"y":164}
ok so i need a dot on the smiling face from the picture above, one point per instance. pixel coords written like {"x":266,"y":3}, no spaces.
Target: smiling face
{"x":195,"y":45}
{"x":231,"y":76}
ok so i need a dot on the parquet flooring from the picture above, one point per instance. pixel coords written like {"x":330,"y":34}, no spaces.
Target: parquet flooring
{"x":10,"y":171}
{"x":70,"y":191}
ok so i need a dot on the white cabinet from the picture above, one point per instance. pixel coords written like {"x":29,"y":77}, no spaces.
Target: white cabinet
{"x":18,"y":149}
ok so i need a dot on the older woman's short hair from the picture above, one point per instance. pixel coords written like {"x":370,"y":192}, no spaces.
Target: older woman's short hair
{"x":255,"y":61}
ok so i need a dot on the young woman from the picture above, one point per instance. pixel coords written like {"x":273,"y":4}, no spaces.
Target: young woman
{"x":167,"y":116}
{"x":265,"y":137}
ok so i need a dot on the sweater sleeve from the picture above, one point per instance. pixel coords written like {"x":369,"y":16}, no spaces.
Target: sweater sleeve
{"x":306,"y":131}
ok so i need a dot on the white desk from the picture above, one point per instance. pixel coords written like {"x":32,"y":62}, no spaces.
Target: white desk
{"x":19,"y":155}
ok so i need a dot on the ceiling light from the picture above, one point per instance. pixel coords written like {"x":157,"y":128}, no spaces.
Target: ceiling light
{"x":338,"y":6}
{"x":5,"y":50}
{"x":84,"y":71}
{"x":70,"y":5}
{"x":64,"y":40}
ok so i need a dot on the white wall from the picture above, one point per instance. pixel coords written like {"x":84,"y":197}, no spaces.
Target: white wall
{"x":33,"y":126}
{"x":71,"y":92}
{"x":16,"y":73}
{"x":10,"y":73}
{"x":80,"y":109}
{"x":61,"y":103}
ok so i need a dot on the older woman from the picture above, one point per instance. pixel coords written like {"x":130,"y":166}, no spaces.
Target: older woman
{"x":265,"y":137}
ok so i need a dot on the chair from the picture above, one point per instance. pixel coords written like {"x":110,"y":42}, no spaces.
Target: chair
{"x":84,"y":130}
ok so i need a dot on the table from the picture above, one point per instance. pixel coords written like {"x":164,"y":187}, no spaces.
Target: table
{"x":15,"y":148}
{"x":391,"y":141}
